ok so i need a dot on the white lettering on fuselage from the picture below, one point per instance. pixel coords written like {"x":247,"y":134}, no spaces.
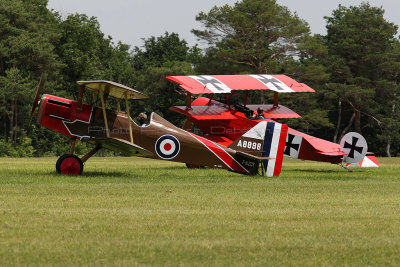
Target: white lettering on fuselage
{"x":249,"y":144}
{"x":248,"y":163}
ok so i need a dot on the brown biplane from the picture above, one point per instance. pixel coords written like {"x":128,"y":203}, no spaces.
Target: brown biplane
{"x":117,"y":131}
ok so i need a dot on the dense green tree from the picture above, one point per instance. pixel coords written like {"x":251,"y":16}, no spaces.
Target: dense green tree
{"x":263,"y":37}
{"x":160,"y":57}
{"x":157,"y":51}
{"x":27,"y":36}
{"x":83,"y":49}
{"x":162,"y":93}
{"x":387,"y":96}
{"x":257,"y":33}
{"x":33,"y":40}
{"x":14,"y":90}
{"x":360,"y":43}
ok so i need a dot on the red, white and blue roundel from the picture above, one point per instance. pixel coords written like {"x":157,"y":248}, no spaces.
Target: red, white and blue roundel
{"x":167,"y":147}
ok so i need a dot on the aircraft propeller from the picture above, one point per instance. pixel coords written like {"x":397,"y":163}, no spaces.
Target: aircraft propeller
{"x":35,"y":103}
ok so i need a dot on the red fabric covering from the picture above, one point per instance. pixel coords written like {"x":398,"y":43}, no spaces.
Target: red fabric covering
{"x":218,"y":111}
{"x":235,"y":82}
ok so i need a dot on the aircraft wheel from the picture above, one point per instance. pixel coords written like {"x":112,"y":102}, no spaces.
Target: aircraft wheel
{"x":69,"y":164}
{"x":59,"y":160}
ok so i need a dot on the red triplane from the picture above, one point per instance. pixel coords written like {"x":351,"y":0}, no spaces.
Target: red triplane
{"x":232,"y":140}
{"x":223,"y":123}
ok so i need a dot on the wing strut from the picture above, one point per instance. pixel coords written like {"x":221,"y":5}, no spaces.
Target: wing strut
{"x":118,"y":105}
{"x":227,"y":101}
{"x":103,"y":107}
{"x":129,"y":116}
{"x":188,"y":100}
{"x":211,"y":98}
{"x":275,"y":99}
{"x":80,"y":97}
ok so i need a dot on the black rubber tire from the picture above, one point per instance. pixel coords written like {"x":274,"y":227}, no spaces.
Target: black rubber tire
{"x":58,"y":163}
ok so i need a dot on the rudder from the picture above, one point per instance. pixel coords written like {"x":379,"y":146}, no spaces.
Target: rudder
{"x":264,"y":140}
{"x":274,"y":146}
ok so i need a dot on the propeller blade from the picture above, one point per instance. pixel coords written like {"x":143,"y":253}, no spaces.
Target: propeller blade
{"x":36,"y":99}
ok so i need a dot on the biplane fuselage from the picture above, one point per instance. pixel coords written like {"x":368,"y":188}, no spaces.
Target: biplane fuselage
{"x":116,"y":131}
{"x":61,"y":115}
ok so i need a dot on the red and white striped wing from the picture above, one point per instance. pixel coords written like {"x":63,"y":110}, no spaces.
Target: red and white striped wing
{"x":220,"y":84}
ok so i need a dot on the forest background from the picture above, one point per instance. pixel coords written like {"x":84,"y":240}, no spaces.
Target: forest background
{"x":354,"y":68}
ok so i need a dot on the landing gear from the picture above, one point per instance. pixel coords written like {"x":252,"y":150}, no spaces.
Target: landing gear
{"x":69,"y":164}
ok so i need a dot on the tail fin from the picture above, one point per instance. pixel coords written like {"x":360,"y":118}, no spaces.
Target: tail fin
{"x":355,"y":146}
{"x":266,"y":142}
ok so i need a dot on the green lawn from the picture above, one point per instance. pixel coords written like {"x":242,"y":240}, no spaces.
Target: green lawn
{"x":132,"y":211}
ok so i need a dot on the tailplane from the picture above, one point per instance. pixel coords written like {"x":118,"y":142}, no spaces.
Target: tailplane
{"x":355,"y":146}
{"x":263,"y":143}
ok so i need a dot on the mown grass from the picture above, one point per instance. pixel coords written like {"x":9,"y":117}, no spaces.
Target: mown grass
{"x":132,"y":211}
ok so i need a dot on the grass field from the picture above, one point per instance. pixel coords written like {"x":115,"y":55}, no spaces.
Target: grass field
{"x":132,"y":211}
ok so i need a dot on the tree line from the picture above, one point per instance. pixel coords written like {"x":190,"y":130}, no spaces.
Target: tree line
{"x":354,"y":67}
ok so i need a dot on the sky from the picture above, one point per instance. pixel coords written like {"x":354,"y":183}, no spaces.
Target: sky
{"x":129,"y":21}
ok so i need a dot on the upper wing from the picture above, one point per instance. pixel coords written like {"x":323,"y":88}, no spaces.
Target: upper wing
{"x":217,"y":84}
{"x":113,"y":89}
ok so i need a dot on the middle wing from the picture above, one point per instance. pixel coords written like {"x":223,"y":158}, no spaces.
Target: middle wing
{"x":205,"y":109}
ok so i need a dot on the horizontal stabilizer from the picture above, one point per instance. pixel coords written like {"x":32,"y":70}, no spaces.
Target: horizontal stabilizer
{"x":366,"y":162}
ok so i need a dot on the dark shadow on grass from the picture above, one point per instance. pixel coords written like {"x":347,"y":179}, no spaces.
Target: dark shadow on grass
{"x":89,"y":174}
{"x":108,"y":174}
{"x":315,"y":171}
{"x":339,"y":174}
{"x":173,"y":168}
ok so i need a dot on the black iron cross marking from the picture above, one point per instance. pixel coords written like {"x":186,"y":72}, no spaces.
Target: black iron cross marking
{"x":214,"y":82}
{"x":289,"y":145}
{"x":273,"y":80}
{"x":353,"y":147}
